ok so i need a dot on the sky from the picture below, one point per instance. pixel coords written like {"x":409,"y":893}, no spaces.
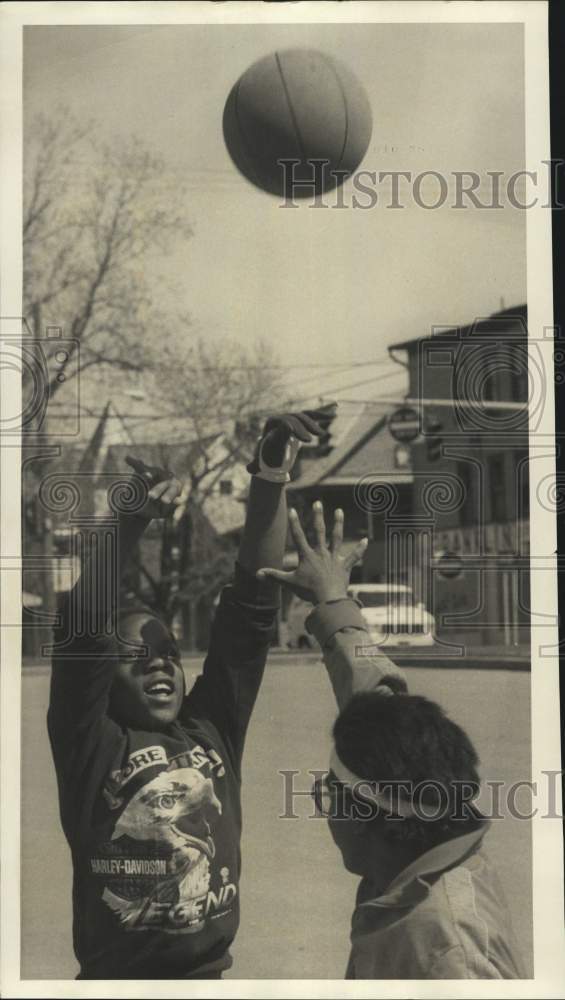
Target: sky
{"x":326,"y":287}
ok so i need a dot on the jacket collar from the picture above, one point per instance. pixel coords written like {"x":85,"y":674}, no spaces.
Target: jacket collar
{"x":408,"y":885}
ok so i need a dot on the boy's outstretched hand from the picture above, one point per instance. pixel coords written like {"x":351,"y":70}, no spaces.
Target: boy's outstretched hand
{"x":322,"y":573}
{"x":163,"y":488}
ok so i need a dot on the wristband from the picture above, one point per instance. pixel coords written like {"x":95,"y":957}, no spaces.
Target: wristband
{"x":281,"y":474}
{"x":330,"y":617}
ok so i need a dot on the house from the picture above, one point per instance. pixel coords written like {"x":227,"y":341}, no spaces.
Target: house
{"x":469,"y":389}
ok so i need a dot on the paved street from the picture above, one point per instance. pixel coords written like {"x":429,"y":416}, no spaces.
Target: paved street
{"x":296,"y":899}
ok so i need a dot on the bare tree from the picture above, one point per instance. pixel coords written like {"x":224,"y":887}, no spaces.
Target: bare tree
{"x":96,"y":216}
{"x":219,"y":394}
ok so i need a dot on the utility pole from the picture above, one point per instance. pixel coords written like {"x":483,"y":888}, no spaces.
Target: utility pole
{"x":45,"y":524}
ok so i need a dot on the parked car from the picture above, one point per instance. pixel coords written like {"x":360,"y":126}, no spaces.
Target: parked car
{"x":296,"y":634}
{"x":392,"y":615}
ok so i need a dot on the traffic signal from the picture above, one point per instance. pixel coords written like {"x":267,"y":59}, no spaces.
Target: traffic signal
{"x":433,"y":439}
{"x":324,"y":445}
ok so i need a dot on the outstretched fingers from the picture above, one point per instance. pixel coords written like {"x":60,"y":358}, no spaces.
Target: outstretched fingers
{"x":319,"y":524}
{"x":356,"y":554}
{"x":297,"y":532}
{"x":310,"y":423}
{"x":158,"y":491}
{"x":337,"y":531}
{"x":283,"y":576}
{"x":171,"y":493}
{"x":299,"y":428}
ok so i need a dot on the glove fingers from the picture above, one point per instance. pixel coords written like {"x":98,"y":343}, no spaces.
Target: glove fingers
{"x":287,"y":423}
{"x":323,"y":413}
{"x":299,"y":428}
{"x":303,"y":426}
{"x":302,"y":423}
{"x":306,"y":424}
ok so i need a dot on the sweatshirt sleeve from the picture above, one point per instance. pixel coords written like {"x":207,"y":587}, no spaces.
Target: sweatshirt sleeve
{"x":83,"y":738}
{"x":243,"y":629}
{"x":351,"y":659}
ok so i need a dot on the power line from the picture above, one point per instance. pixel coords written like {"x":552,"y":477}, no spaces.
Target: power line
{"x":303,"y":380}
{"x":467,"y":404}
{"x":95,"y":414}
{"x":334,"y":368}
{"x":314,"y":365}
{"x":343,"y":369}
{"x":353,"y":385}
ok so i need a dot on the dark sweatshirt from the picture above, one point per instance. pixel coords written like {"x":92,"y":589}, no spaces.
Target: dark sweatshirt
{"x":153,"y":819}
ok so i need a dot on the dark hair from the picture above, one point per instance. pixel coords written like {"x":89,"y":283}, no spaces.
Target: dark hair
{"x":409,"y":739}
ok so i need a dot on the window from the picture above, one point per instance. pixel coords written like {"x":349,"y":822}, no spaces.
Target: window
{"x":519,"y":381}
{"x":522,"y":484}
{"x":226,"y":487}
{"x":490,"y":385}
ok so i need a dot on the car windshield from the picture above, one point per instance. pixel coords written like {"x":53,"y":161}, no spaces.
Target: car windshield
{"x":385,"y":599}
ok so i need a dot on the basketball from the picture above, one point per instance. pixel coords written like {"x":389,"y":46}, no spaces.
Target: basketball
{"x":302,"y":105}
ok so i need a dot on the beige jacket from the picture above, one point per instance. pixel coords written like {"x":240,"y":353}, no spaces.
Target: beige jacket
{"x":444,"y":916}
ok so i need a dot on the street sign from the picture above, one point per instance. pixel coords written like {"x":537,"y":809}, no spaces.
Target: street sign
{"x":404,"y":424}
{"x":450,"y":565}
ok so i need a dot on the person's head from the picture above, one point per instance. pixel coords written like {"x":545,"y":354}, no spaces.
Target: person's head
{"x":149,"y":685}
{"x":418,"y":772}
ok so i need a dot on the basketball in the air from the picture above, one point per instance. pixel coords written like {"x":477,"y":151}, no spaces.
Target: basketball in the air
{"x":300,"y":105}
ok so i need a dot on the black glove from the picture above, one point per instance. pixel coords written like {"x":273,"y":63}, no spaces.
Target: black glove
{"x":282,"y":437}
{"x":161,"y":488}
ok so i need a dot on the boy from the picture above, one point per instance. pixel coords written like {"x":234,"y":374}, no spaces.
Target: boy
{"x":398,"y":799}
{"x":148,"y":774}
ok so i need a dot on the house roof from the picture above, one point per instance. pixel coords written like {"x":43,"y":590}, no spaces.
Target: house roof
{"x":515,"y":316}
{"x":367,"y":449}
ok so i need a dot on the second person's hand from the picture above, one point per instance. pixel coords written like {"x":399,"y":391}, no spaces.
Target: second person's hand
{"x":163,"y":489}
{"x":322,"y":573}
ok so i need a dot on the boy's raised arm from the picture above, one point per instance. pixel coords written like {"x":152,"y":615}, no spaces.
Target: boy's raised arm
{"x":85,"y":638}
{"x":90,"y":606}
{"x":245,"y":623}
{"x":264,"y":534}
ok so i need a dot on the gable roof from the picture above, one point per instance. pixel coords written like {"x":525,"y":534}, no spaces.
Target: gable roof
{"x":505,"y":320}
